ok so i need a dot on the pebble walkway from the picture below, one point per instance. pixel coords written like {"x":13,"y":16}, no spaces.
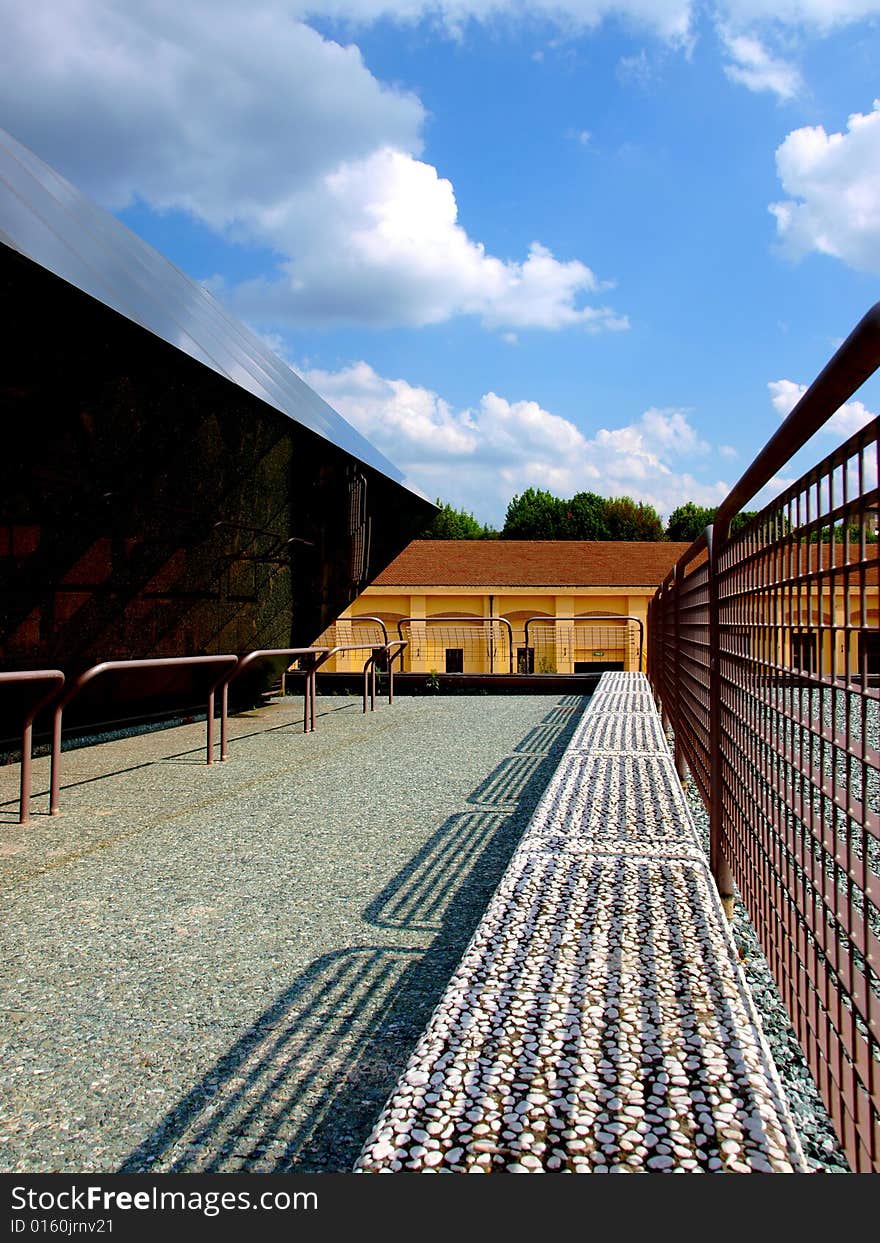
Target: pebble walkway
{"x":599,"y":1020}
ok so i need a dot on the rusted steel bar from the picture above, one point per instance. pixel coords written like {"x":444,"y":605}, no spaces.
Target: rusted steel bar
{"x":376,"y":621}
{"x":605,"y":617}
{"x":51,"y":680}
{"x":401,"y":645}
{"x":247,"y":662}
{"x":459,"y":621}
{"x":333,"y":651}
{"x":853,"y":363}
{"x":717,"y":862}
{"x":122,"y":666}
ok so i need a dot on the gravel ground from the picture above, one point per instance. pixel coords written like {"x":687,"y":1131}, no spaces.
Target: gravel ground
{"x":225,"y":969}
{"x":248,"y":954}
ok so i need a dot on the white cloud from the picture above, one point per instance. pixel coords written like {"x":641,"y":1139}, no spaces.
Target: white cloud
{"x":755,"y":68}
{"x":216,"y":108}
{"x":266,"y":131}
{"x":378,"y":240}
{"x":833,"y":181}
{"x":478,"y":458}
{"x":850,"y":418}
{"x":819,"y":15}
{"x":668,"y":19}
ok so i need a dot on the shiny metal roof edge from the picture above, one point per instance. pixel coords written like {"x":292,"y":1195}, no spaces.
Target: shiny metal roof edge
{"x":49,"y":221}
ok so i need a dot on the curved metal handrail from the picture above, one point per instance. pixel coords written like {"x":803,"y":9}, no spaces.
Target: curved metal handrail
{"x":365,"y":618}
{"x":606,"y":617}
{"x":121,"y":666}
{"x":55,"y":680}
{"x":501,"y":620}
{"x":333,"y":651}
{"x":370,"y":668}
{"x":253,"y":658}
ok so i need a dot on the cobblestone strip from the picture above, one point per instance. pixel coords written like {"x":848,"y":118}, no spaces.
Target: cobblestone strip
{"x":599,"y":1019}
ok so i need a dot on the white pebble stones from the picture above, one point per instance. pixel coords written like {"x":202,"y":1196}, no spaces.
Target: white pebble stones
{"x":598,"y":1020}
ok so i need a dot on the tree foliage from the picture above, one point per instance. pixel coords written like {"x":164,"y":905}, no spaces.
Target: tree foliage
{"x":689,"y":521}
{"x":534,"y":515}
{"x":452,"y":523}
{"x":538,"y":514}
{"x":632,"y":520}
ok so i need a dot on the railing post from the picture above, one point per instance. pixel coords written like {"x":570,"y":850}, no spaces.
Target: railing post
{"x":717,"y":862}
{"x":55,"y":776}
{"x":680,"y":763}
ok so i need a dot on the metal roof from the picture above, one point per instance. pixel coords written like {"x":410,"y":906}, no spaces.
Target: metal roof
{"x":45,"y":218}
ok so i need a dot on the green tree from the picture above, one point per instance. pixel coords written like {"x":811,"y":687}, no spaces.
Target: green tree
{"x":585,"y":517}
{"x":688,"y":522}
{"x":452,"y":523}
{"x":738,"y":521}
{"x":632,"y":520}
{"x":534,"y":515}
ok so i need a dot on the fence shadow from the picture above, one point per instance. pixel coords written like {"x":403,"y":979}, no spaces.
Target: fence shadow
{"x":302,"y":1088}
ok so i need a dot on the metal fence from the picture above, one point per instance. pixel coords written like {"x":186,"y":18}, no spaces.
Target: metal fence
{"x":765,"y":655}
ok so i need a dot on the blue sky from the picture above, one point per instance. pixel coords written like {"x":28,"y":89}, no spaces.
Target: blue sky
{"x":594,"y":244}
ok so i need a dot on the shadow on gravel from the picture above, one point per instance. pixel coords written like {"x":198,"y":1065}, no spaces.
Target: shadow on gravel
{"x":302,"y":1088}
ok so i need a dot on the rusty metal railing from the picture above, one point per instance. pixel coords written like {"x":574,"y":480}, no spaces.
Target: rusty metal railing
{"x":262,"y":656}
{"x":375,"y":650}
{"x":605,"y":618}
{"x":45,"y":685}
{"x":466,"y":628}
{"x":382,"y":660}
{"x":375,"y":621}
{"x":764,"y":652}
{"x":128,"y":666}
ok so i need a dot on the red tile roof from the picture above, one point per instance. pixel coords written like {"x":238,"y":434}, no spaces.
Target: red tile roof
{"x":530,"y":563}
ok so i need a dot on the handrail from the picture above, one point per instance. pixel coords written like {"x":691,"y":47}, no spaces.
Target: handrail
{"x":55,"y":679}
{"x":121,"y":666}
{"x":333,"y":651}
{"x":502,"y":620}
{"x":853,"y":363}
{"x":365,"y":618}
{"x":245,"y":662}
{"x":370,"y":667}
{"x":401,"y":645}
{"x":607,"y":617}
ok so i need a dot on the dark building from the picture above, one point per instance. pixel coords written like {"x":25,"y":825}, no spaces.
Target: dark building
{"x":168,"y":486}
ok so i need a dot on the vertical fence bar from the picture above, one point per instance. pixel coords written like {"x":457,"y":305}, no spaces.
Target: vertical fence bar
{"x":719,"y":865}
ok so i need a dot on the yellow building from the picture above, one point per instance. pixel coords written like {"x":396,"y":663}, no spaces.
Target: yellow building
{"x":500,"y":606}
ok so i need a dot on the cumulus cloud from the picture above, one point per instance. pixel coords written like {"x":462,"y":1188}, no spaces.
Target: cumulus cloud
{"x":265,"y":131}
{"x":477,"y":458}
{"x":379,"y":240}
{"x":850,"y":418}
{"x":833,"y":181}
{"x":213,"y":107}
{"x":757,"y":69}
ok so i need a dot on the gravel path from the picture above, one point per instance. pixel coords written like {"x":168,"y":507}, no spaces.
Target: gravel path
{"x":598,"y":1021}
{"x":225,"y":969}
